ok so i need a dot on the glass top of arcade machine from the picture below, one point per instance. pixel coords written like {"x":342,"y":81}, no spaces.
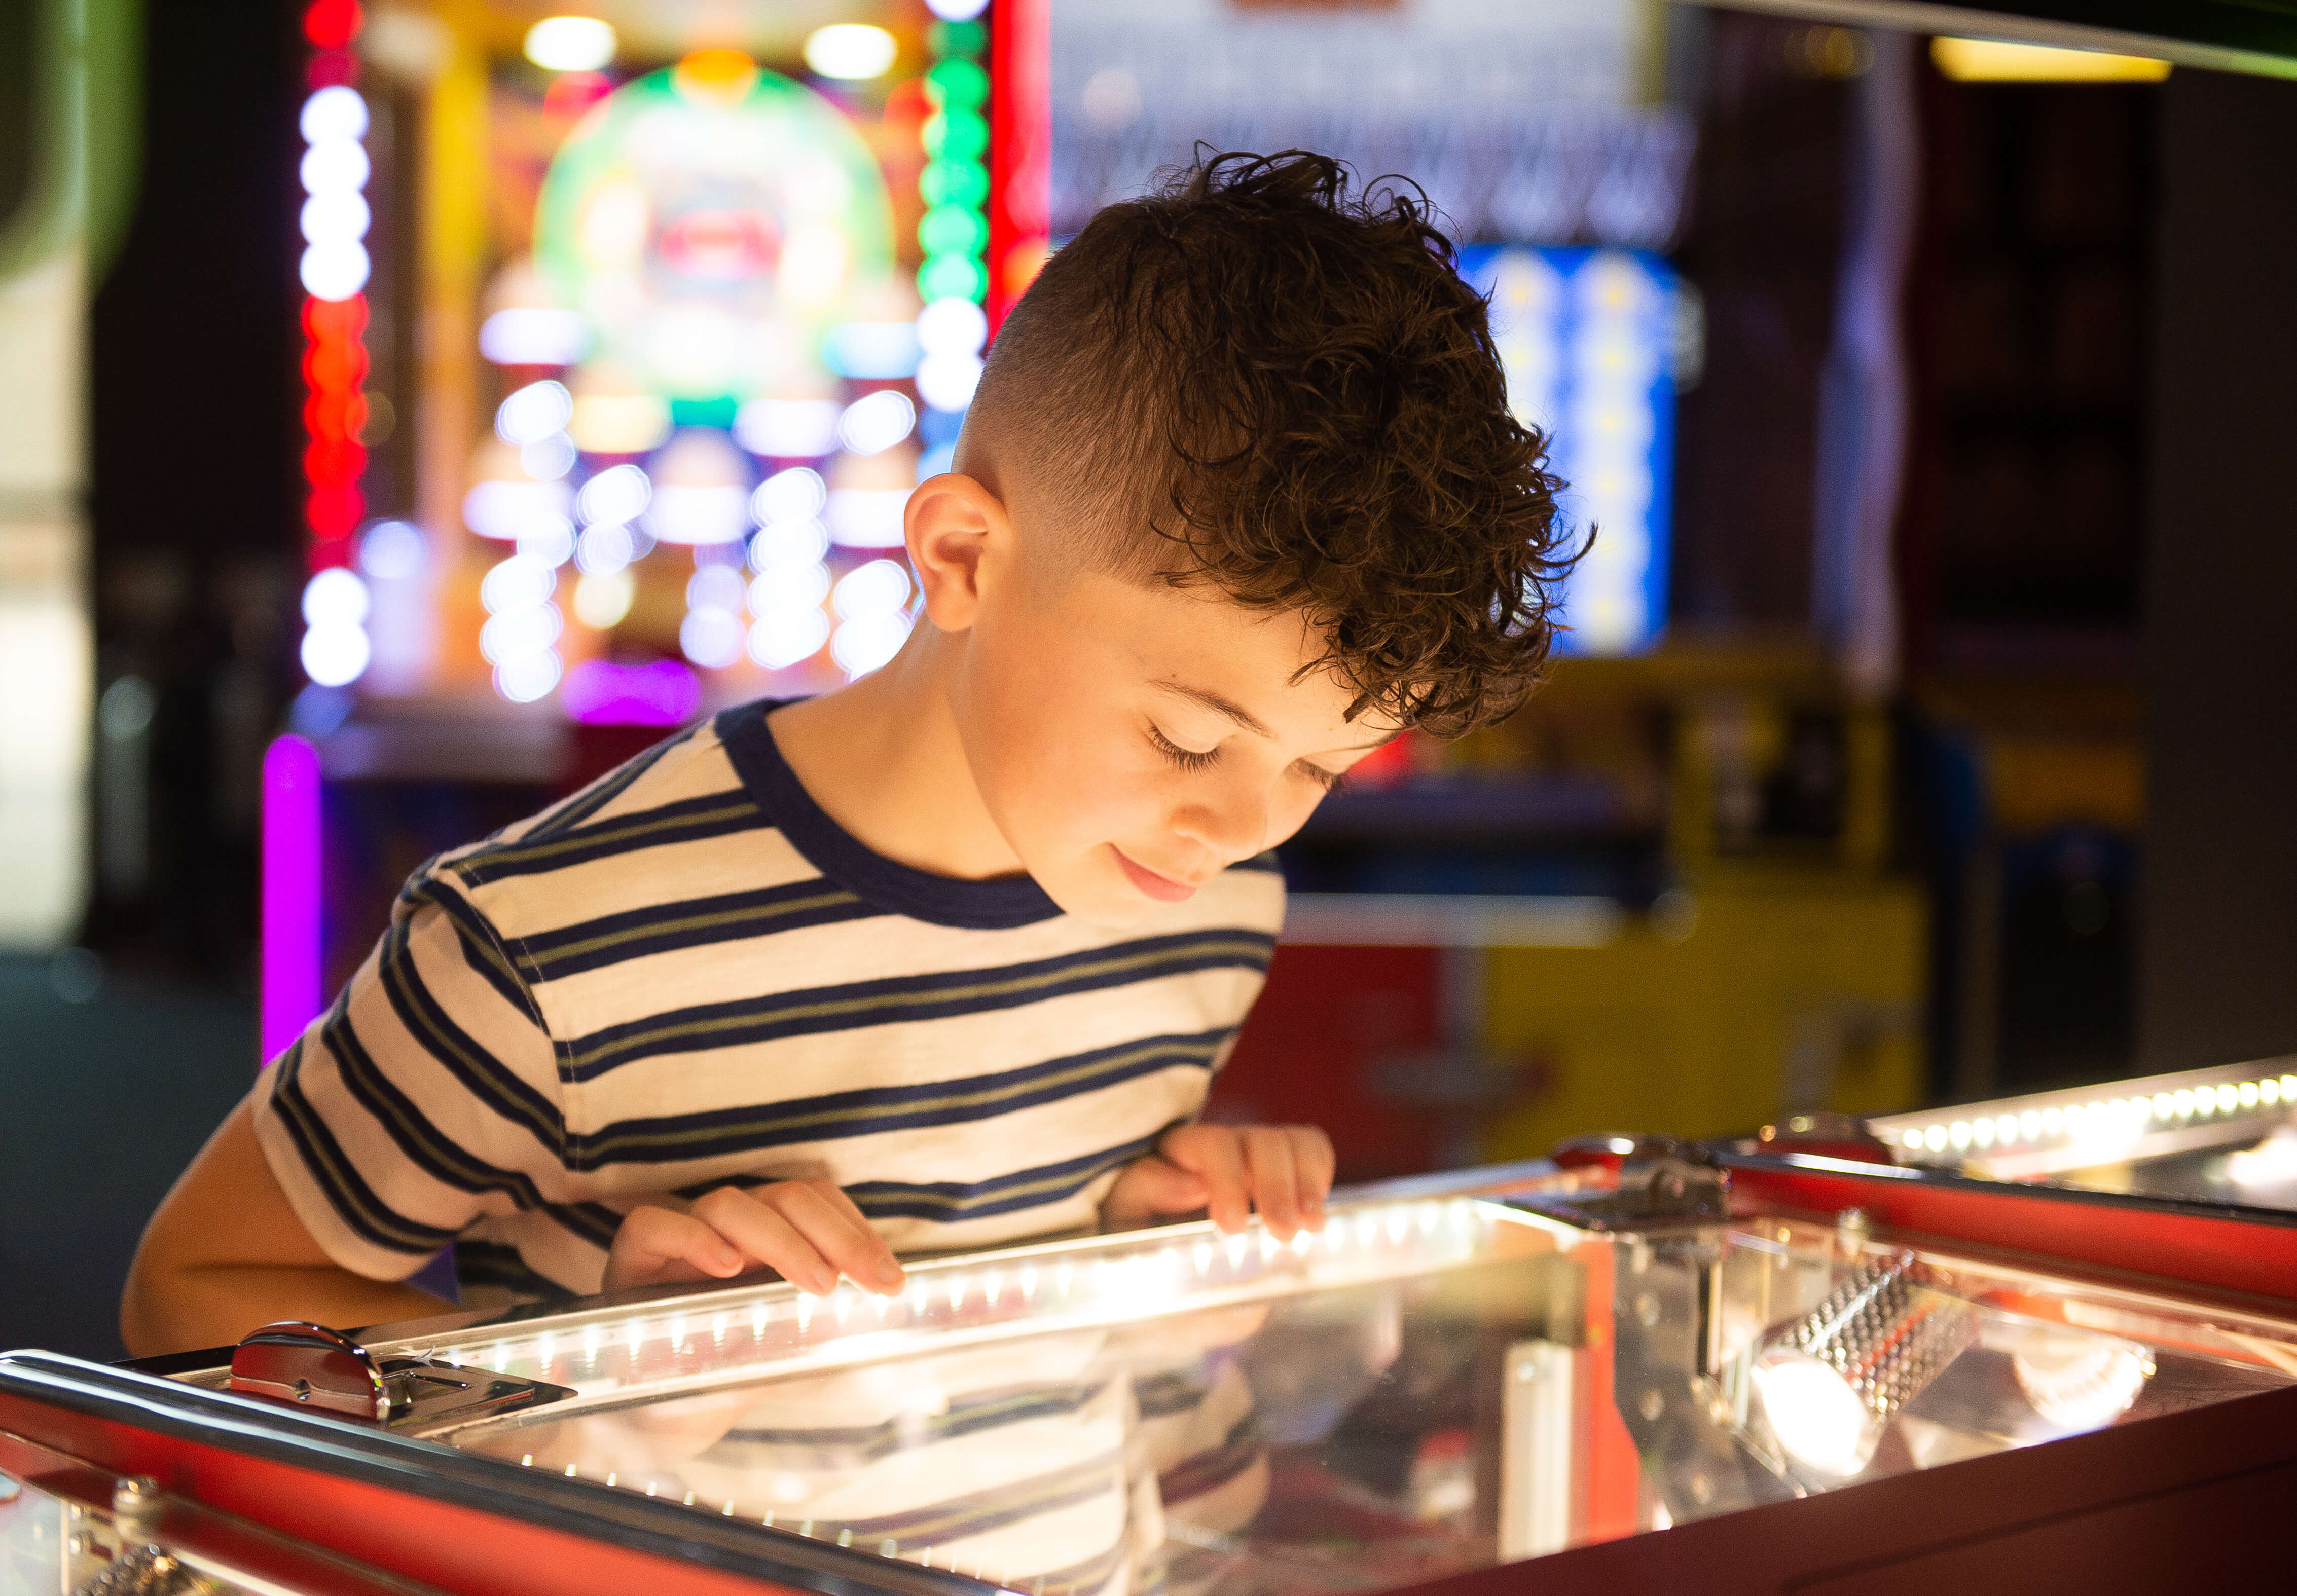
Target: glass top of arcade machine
{"x":1429,"y":1385}
{"x":2226,"y":1135}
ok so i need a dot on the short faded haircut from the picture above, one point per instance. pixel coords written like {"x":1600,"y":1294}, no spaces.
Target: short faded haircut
{"x":1252,"y":379}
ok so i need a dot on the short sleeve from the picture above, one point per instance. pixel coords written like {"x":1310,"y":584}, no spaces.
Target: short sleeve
{"x":426,"y":1099}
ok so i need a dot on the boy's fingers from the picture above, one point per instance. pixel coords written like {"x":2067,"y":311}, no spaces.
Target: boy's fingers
{"x":768,"y":1237}
{"x":1312,"y":1160}
{"x":1156,"y":1185}
{"x":1274,"y":1179}
{"x":833,"y":1225}
{"x":652,"y":1240}
{"x":1211,"y":1153}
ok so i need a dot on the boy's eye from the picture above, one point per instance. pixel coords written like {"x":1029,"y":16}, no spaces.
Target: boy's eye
{"x":1331,"y":781}
{"x":1187,"y":759}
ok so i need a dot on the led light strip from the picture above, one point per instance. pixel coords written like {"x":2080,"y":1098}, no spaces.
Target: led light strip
{"x":2104,"y":1123}
{"x":335,"y":649}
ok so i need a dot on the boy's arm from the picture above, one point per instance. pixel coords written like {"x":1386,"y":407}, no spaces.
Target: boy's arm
{"x":225,"y":1253}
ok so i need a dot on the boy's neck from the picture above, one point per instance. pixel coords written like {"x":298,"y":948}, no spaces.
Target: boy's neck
{"x":883,"y":758}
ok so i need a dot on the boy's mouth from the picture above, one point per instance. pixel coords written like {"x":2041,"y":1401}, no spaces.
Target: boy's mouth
{"x":1163,"y":888}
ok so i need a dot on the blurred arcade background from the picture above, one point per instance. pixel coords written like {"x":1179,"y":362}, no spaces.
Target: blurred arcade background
{"x":409,"y":411}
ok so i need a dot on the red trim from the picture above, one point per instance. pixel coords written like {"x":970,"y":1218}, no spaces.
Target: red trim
{"x":1020,"y":148}
{"x":2200,"y":1249}
{"x":1610,"y":1467}
{"x":460,"y":1551}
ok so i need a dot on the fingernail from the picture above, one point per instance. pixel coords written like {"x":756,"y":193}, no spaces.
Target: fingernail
{"x":890,"y":1276}
{"x":728,"y":1259}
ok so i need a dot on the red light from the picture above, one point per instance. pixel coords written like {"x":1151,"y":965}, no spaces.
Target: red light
{"x":331,"y":512}
{"x":330,"y":24}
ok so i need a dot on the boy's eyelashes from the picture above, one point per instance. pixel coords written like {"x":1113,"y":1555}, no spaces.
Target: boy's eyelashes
{"x":1187,"y":759}
{"x":1191,"y":759}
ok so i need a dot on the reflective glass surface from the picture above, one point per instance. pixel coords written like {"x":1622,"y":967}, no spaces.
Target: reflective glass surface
{"x":1426,"y":1387}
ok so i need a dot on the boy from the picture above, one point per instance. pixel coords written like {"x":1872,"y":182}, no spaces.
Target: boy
{"x":948,"y":957}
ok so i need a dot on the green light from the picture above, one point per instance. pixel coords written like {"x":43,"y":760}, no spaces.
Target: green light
{"x":952,"y":277}
{"x":954,"y":183}
{"x":956,"y":136}
{"x":953,"y":230}
{"x":959,"y":83}
{"x":958,"y":38}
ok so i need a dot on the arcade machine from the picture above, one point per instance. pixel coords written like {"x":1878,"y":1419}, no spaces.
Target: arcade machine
{"x":628,"y":334}
{"x":1642,"y":1364}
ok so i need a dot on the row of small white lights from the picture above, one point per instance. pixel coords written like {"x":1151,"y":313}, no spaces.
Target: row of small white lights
{"x":2116,"y":1119}
{"x":786,"y":595}
{"x":334,"y":172}
{"x":1163,"y":1270}
{"x":533,"y":420}
{"x":852,"y":51}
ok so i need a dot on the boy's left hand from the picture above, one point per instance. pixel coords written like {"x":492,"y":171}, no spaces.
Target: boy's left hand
{"x":1227,"y":1171}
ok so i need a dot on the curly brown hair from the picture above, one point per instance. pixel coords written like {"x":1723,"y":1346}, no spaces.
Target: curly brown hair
{"x":1298,"y":382}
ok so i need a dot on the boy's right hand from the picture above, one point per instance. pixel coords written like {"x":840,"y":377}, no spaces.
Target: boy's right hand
{"x":809,"y":1232}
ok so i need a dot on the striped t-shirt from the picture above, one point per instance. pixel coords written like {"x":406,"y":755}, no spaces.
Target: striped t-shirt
{"x":687,"y":975}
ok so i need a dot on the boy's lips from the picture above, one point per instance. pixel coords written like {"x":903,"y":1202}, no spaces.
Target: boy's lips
{"x":1163,"y":888}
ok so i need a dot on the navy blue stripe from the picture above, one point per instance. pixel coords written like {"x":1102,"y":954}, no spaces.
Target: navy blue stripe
{"x":482,"y":948}
{"x":688,"y":821}
{"x":951,"y":1201}
{"x":347,"y":1192}
{"x":445,"y":1161}
{"x":898,"y":888}
{"x":906,"y":998}
{"x":594,"y":1223}
{"x":479,"y":1071}
{"x":689,"y":923}
{"x":870,"y":1111}
{"x":608,"y":787}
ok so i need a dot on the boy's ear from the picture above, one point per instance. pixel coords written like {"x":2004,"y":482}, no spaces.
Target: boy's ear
{"x":950,"y":522}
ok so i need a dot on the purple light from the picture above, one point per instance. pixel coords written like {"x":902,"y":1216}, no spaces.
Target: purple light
{"x":291,"y":892}
{"x":661,"y":693}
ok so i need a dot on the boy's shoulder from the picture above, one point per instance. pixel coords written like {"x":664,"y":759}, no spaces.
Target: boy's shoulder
{"x":710,"y":824}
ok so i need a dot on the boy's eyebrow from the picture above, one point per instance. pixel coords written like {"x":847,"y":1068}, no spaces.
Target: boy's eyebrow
{"x":1218,"y":706}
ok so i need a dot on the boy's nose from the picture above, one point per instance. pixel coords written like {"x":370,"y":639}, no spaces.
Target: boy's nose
{"x":1231,"y":829}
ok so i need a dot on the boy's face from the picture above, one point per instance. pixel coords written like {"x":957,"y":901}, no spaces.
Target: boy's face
{"x":1132,"y":741}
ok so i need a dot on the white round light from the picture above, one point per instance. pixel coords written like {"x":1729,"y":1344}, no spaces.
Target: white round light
{"x":334,"y":597}
{"x":534,"y":336}
{"x":957,"y":11}
{"x":334,"y":656}
{"x":952,"y":326}
{"x":393,"y":550}
{"x":793,"y":585}
{"x":334,"y":168}
{"x":605,"y":550}
{"x":547,"y":459}
{"x":570,"y":44}
{"x":615,"y":494}
{"x":337,"y":216}
{"x":782,"y":638}
{"x":873,"y":588}
{"x":334,"y":271}
{"x":517,"y":582}
{"x":533,"y":413}
{"x":334,"y":112}
{"x":528,"y":677}
{"x":947,"y":381}
{"x":851,"y":50}
{"x":797,"y":494}
{"x":1814,"y":1412}
{"x":714,"y":588}
{"x":711,"y":638}
{"x":787,"y":542}
{"x":866,"y":642}
{"x":550,"y":543}
{"x":521,"y":631}
{"x":877,"y":421}
{"x":697,"y":515}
